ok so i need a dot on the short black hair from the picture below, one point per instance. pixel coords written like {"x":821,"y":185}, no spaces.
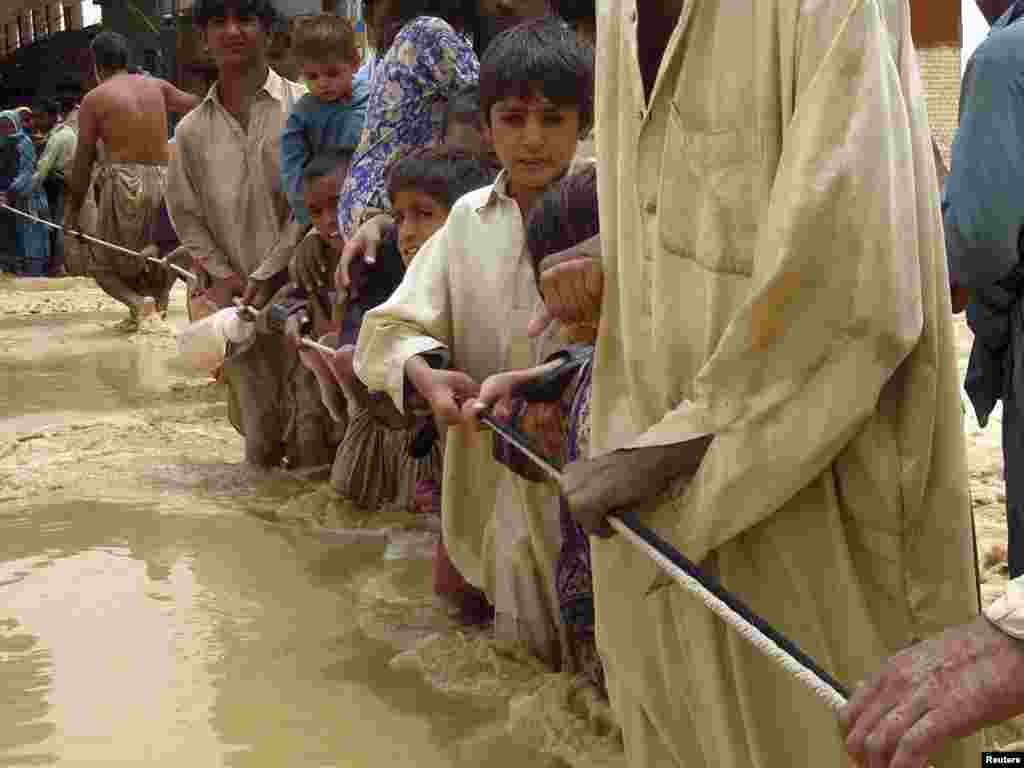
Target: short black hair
{"x":204,"y":11}
{"x":445,"y":173}
{"x":327,"y":162}
{"x":575,"y":10}
{"x":566,"y":215}
{"x":111,"y":51}
{"x":463,"y":107}
{"x":541,"y":56}
{"x":48,"y":106}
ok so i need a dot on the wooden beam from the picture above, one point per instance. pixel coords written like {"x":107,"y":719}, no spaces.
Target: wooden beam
{"x":935,"y":22}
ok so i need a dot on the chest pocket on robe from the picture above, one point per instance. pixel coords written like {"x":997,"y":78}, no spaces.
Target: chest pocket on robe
{"x":708,"y":208}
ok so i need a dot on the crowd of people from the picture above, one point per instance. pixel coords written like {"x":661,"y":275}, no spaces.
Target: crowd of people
{"x":36,"y":146}
{"x":749,"y":338}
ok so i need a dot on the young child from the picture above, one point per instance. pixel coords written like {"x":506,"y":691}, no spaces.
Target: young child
{"x":464,"y":126}
{"x":462,"y":313}
{"x":423,"y":187}
{"x":563,"y":224}
{"x":373,"y":465}
{"x":333,"y":112}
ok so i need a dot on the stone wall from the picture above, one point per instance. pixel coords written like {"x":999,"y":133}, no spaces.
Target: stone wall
{"x":940,"y":69}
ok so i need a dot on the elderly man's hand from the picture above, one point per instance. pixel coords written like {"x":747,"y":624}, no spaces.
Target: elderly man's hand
{"x":627,"y":478}
{"x":938,"y":690}
{"x":572,"y":290}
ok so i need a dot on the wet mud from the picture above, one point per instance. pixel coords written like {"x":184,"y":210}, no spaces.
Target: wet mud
{"x":162,"y":604}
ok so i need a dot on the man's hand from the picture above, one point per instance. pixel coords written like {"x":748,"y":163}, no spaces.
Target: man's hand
{"x":309,"y":270}
{"x":938,"y":690}
{"x":444,"y":391}
{"x":360,"y":254}
{"x":257,"y":293}
{"x":959,"y":297}
{"x":630,"y":477}
{"x":572,"y":290}
{"x":5,"y":199}
{"x":223,"y":291}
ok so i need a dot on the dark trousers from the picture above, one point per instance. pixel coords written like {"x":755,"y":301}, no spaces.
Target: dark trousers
{"x":1013,"y":473}
{"x":55,"y":194}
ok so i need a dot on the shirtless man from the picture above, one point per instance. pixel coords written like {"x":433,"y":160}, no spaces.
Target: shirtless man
{"x":127,"y":113}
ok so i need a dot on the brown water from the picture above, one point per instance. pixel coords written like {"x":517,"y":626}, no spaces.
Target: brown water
{"x":157,"y":610}
{"x":154,"y":612}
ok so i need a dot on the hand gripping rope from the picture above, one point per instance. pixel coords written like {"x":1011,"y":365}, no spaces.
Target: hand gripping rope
{"x":162,"y":262}
{"x":725,"y":605}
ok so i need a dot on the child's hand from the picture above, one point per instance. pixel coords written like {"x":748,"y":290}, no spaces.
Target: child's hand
{"x":309,"y":270}
{"x":497,"y":392}
{"x":360,"y":253}
{"x":444,"y":391}
{"x":572,"y":290}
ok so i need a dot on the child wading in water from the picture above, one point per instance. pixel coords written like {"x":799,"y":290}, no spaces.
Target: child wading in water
{"x":563,"y":225}
{"x":462,"y":313}
{"x":374,"y":464}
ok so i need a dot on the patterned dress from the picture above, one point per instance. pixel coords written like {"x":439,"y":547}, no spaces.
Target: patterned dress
{"x":426,"y":63}
{"x":573,"y":579}
{"x":565,"y":439}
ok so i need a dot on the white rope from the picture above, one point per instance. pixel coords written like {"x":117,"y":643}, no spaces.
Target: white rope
{"x":162,"y":262}
{"x":749,"y":632}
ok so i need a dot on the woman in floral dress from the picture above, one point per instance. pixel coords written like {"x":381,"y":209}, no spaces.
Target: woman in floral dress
{"x":427,"y":60}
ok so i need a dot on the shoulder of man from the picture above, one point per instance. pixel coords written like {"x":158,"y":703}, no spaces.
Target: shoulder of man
{"x":1003,"y":46}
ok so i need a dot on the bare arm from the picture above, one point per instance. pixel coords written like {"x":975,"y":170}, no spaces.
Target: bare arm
{"x":177,"y":100}
{"x":85,"y":157}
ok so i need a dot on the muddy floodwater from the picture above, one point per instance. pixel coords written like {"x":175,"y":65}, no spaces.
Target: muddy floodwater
{"x":163,"y":605}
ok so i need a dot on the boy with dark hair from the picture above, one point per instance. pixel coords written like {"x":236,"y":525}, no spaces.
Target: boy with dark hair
{"x":424,"y":185}
{"x":465,"y":304}
{"x":464,"y":125}
{"x":229,"y":209}
{"x":207,"y":13}
{"x":333,"y":112}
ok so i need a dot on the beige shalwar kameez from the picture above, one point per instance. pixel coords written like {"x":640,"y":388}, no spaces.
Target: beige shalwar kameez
{"x":775,"y":277}
{"x":225,"y":200}
{"x":471,"y":290}
{"x":129,"y":200}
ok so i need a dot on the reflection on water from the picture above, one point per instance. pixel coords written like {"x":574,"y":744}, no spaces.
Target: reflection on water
{"x":138,"y":638}
{"x":156,"y":611}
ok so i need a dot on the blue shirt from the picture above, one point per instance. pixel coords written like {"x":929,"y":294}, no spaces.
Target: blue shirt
{"x":314,"y":126}
{"x":983,"y":212}
{"x":983,"y":201}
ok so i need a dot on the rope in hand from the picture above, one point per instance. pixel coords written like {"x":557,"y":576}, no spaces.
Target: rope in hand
{"x":751,"y":627}
{"x":82,"y":236}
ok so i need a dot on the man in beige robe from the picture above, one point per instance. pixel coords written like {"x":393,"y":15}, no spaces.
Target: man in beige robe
{"x":775,"y":328}
{"x":225,"y":199}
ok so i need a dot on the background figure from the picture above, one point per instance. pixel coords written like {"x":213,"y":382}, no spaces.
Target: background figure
{"x":426,"y":62}
{"x":8,"y":221}
{"x":126,"y":114}
{"x":32,"y":240}
{"x":53,"y":173}
{"x":983,"y":213}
